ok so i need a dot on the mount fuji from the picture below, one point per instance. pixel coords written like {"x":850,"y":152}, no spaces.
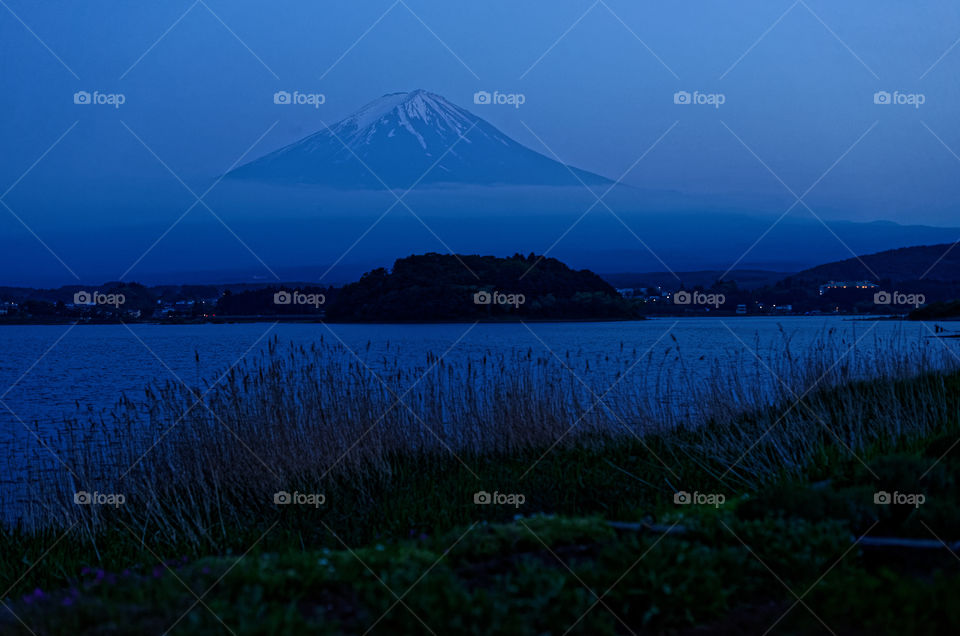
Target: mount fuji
{"x":405,"y":139}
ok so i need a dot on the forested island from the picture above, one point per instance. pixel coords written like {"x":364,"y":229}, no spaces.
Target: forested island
{"x":442,"y":287}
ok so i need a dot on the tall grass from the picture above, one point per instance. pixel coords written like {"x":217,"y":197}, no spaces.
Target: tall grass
{"x":196,"y":463}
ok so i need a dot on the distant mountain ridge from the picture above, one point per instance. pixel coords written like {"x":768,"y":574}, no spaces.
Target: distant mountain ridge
{"x":745,"y":278}
{"x":403,"y":139}
{"x":929,"y":262}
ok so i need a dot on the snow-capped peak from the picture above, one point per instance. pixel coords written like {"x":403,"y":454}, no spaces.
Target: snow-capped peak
{"x":406,"y":111}
{"x":406,"y":139}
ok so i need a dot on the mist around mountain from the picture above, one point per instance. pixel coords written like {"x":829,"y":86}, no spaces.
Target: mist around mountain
{"x":281,"y":232}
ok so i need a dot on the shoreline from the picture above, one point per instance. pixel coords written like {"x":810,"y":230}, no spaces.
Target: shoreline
{"x":262,"y":319}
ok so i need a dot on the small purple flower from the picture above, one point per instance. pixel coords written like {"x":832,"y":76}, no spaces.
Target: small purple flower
{"x":37,"y":594}
{"x":157,"y":572}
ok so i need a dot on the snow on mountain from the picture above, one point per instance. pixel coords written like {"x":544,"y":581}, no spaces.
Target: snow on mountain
{"x":402,"y":139}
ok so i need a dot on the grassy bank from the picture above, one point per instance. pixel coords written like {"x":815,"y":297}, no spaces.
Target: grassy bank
{"x":796,"y":462}
{"x":736,"y":567}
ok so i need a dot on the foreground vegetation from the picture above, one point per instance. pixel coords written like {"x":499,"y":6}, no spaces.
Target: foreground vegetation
{"x":736,"y":568}
{"x":798,"y":480}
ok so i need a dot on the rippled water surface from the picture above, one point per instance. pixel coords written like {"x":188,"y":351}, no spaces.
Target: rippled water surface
{"x":48,"y":373}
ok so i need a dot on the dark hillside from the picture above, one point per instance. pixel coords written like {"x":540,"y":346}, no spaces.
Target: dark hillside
{"x":441,"y":287}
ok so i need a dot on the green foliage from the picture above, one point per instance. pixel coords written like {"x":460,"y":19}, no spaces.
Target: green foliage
{"x":532,"y":576}
{"x":884,"y":602}
{"x":438,"y":287}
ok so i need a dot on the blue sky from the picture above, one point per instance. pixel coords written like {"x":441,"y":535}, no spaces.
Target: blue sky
{"x":798,"y":81}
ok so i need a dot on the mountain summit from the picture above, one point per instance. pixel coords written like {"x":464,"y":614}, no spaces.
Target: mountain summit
{"x":397,"y":139}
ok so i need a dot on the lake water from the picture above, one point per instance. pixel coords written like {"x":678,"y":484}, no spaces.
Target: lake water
{"x":49,"y":374}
